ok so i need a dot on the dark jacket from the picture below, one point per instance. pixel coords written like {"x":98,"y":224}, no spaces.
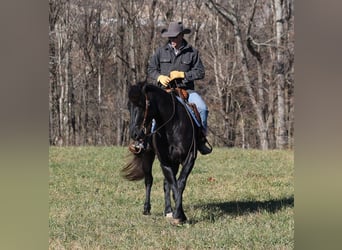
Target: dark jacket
{"x":164,"y":61}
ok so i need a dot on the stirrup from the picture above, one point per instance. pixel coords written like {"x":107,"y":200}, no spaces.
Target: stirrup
{"x":204,"y":149}
{"x":137,"y":147}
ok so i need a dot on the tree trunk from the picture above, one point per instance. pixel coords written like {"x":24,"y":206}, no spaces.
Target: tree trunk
{"x":280,"y":76}
{"x":61,"y":86}
{"x":132,"y":59}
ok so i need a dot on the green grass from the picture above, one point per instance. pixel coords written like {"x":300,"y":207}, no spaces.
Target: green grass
{"x":234,"y":199}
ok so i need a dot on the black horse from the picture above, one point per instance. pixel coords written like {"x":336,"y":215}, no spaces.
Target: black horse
{"x":174,"y":141}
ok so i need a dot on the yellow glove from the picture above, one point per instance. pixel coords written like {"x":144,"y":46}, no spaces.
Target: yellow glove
{"x":176,"y":74}
{"x":164,"y":80}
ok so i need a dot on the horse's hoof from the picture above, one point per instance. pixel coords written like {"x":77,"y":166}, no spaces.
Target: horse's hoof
{"x":168,"y":215}
{"x":177,"y":222}
{"x":146,"y":213}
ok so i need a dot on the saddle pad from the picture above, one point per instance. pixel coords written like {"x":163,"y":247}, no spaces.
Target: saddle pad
{"x":190,"y":111}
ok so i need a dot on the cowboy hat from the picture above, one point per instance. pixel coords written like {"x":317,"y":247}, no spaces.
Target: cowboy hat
{"x":175,"y":28}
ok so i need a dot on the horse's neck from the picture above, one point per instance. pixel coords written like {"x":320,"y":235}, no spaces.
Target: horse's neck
{"x":165,"y":105}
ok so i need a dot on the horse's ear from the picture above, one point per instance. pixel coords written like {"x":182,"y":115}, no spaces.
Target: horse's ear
{"x":134,"y":94}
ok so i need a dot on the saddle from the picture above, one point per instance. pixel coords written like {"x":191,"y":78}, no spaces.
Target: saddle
{"x":184,"y":96}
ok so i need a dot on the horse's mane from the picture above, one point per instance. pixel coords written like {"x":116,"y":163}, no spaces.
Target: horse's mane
{"x":136,"y":92}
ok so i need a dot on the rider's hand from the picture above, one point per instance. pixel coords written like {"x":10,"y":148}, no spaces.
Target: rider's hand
{"x":176,"y":74}
{"x":164,"y":80}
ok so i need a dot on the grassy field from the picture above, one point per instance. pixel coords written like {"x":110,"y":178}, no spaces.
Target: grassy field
{"x":234,"y":199}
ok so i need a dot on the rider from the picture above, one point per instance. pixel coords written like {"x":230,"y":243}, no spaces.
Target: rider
{"x":179,"y":60}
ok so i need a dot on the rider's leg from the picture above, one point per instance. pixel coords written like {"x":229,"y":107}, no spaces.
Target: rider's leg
{"x":202,"y":108}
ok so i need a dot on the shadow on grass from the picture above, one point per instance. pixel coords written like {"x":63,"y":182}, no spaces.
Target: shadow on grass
{"x":237,"y":208}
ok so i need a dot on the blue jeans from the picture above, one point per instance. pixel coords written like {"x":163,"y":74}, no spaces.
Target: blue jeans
{"x":202,"y":108}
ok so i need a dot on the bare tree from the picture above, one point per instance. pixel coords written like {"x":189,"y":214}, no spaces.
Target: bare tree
{"x":280,"y":73}
{"x":99,"y":48}
{"x":231,"y":16}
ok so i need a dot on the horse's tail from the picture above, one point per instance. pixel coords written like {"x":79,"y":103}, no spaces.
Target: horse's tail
{"x":133,"y":171}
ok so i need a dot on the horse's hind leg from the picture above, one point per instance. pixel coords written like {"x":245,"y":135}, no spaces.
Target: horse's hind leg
{"x":147,"y":167}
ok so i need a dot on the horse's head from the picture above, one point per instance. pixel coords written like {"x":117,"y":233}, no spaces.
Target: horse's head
{"x":138,"y":112}
{"x":147,"y":101}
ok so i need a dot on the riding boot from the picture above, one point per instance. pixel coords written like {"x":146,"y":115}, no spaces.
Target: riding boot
{"x":203,"y":147}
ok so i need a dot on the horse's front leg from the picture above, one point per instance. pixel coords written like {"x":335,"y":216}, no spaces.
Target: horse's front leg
{"x":179,"y":214}
{"x":169,"y":174}
{"x":147,"y":167}
{"x":171,"y":181}
{"x":148,"y":187}
{"x":168,"y":208}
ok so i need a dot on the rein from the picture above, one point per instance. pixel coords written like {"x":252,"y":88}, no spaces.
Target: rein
{"x":144,"y":126}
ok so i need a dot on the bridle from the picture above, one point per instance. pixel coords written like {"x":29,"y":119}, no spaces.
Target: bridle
{"x":144,"y":126}
{"x":147,"y":105}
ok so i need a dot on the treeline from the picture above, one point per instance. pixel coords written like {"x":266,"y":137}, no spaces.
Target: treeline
{"x":98,"y":48}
